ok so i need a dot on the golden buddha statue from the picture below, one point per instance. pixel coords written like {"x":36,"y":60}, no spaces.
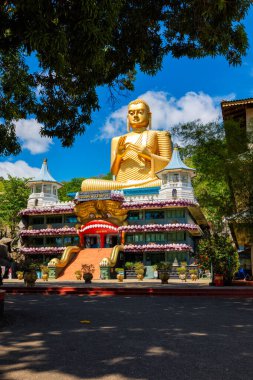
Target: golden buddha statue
{"x":137,"y":155}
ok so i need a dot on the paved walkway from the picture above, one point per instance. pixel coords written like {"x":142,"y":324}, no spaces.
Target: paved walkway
{"x":126,"y":338}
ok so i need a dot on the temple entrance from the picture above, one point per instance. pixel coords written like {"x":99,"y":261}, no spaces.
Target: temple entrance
{"x":92,"y":241}
{"x":99,"y":234}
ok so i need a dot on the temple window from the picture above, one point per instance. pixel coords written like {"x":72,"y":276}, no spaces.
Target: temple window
{"x":175,"y":177}
{"x":176,"y":236}
{"x":155,"y":237}
{"x":67,"y":240}
{"x":37,"y":242}
{"x":160,"y":237}
{"x":129,"y":238}
{"x":174,"y":193}
{"x":75,"y":240}
{"x":164,"y":178}
{"x":150,"y":237}
{"x":184,"y":178}
{"x":136,"y":238}
{"x":154,"y":214}
{"x":38,"y":220}
{"x":54,"y":241}
{"x":54,"y":190}
{"x":54,"y":219}
{"x":133,"y":215}
{"x":38,"y":188}
{"x":70,"y":219}
{"x":175,"y":213}
{"x":47,"y":189}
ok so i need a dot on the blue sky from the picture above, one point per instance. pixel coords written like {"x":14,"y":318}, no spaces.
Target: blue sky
{"x":183,"y":90}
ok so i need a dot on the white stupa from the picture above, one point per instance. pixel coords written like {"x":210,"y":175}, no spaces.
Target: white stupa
{"x":44,"y":189}
{"x":176,"y":179}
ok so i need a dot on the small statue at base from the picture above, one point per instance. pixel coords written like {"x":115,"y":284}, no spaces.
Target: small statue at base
{"x":137,"y":155}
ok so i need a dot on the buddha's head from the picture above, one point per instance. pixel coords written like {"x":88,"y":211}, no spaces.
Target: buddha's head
{"x":139,"y":115}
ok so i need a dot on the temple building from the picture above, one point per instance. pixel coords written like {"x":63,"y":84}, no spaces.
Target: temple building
{"x":147,"y":214}
{"x":152,"y":225}
{"x":47,"y":225}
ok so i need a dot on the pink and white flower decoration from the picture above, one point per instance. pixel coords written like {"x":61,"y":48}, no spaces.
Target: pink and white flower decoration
{"x":66,"y":209}
{"x":42,"y":250}
{"x":49,"y":232}
{"x":159,"y":203}
{"x":152,"y":247}
{"x":160,"y":227}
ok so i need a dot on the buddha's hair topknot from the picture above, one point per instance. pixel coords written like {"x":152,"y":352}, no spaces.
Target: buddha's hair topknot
{"x":138,"y":101}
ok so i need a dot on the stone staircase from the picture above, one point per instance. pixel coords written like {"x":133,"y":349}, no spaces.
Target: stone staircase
{"x":85,"y":256}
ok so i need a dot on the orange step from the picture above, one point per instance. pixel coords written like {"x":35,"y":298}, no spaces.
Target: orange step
{"x":85,"y":256}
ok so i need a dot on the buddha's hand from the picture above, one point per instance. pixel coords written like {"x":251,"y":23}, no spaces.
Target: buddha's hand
{"x":122,"y":148}
{"x":142,"y":150}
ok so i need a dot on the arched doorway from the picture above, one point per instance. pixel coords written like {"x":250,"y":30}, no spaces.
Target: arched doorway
{"x":99,"y":234}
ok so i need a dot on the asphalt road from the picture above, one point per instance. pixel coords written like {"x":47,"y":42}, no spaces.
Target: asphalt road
{"x":80,"y":337}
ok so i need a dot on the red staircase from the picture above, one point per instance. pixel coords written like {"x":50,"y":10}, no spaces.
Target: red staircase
{"x":85,"y":256}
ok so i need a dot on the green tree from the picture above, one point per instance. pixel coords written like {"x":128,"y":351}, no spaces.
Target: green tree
{"x":12,"y":199}
{"x":218,"y":251}
{"x":72,"y":186}
{"x":81,"y":45}
{"x":224,"y":174}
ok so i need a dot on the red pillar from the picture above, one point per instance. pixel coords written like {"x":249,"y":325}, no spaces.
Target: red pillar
{"x":81,"y":238}
{"x":102,"y":240}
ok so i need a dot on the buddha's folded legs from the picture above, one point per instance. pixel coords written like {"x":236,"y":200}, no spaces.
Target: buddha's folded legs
{"x":102,"y":184}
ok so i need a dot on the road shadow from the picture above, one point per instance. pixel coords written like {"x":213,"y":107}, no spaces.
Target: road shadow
{"x":80,"y":337}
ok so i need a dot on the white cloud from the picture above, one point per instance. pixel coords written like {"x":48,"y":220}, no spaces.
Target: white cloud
{"x":28,"y":132}
{"x":168,"y":111}
{"x":17,"y":169}
{"x":115,"y":124}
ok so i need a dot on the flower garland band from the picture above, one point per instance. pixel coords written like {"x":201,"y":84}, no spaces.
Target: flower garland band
{"x":49,"y":232}
{"x":160,"y":227}
{"x":42,"y":250}
{"x":157,"y":247}
{"x":159,"y":203}
{"x":65,"y":209}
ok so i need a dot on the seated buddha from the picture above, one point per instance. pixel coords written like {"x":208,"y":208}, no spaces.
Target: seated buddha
{"x":137,"y":155}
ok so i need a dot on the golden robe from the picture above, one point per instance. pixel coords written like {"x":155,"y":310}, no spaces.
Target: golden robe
{"x":135,"y":171}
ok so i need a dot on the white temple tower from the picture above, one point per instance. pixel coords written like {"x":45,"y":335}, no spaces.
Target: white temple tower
{"x":176,"y":179}
{"x":44,"y":189}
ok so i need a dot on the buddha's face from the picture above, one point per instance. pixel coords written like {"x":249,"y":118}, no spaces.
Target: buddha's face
{"x":138,"y":115}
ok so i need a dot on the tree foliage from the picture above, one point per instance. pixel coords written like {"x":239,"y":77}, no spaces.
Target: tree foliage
{"x":218,"y":251}
{"x":224,"y":175}
{"x":12,"y":199}
{"x":74,"y":185}
{"x":81,"y":45}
